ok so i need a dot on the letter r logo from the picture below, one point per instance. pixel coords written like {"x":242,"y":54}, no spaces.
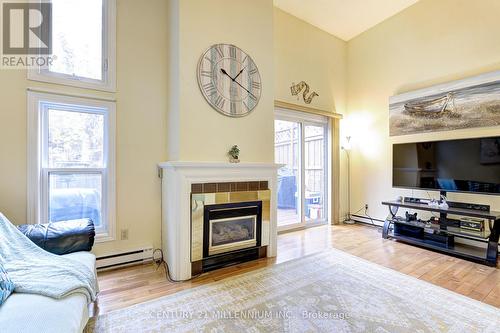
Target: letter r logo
{"x":27,"y":28}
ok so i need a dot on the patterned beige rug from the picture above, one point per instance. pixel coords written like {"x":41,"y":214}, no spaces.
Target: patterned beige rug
{"x":325,"y":292}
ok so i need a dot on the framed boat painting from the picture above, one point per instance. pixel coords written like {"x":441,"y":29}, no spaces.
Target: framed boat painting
{"x":468,"y":103}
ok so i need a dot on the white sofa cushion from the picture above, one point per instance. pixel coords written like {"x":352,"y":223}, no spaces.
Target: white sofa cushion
{"x":85,"y":258}
{"x":26,"y":313}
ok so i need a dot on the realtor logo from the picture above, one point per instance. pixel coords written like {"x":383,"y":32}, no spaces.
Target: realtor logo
{"x":27,"y":28}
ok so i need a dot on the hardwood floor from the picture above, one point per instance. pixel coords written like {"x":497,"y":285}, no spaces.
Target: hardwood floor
{"x":123,"y":287}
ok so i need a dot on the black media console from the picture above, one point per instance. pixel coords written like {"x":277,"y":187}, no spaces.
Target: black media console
{"x":440,"y":235}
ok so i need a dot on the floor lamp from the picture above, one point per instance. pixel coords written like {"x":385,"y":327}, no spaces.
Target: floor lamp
{"x":347,"y":147}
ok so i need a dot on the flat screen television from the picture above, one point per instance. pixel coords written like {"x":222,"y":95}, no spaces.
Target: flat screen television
{"x":465,"y":165}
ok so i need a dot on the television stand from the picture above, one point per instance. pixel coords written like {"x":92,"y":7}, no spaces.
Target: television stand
{"x":441,"y":238}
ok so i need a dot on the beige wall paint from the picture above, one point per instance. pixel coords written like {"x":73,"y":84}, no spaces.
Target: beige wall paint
{"x":414,"y":49}
{"x":141,"y":121}
{"x":148,"y":129}
{"x":303,"y":52}
{"x":199,"y":133}
{"x":434,"y":41}
{"x":13,"y":139}
{"x":141,"y":126}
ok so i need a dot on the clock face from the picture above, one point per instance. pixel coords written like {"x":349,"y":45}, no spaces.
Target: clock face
{"x":229,"y":80}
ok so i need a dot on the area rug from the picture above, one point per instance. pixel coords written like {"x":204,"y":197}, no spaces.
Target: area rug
{"x":330,"y":291}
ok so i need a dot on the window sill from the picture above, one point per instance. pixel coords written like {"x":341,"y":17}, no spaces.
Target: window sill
{"x":103,"y":238}
{"x":65,"y":80}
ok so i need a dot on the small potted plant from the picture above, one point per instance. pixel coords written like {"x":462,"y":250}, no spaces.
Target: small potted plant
{"x":234,"y":154}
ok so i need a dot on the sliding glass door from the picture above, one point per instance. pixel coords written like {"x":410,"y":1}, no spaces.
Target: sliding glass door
{"x":301,"y":146}
{"x":315,"y":172}
{"x":287,"y":140}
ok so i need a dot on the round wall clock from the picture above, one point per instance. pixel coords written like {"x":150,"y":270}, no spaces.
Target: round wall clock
{"x":229,"y":80}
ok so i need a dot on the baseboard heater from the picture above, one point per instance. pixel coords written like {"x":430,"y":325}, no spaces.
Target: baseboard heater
{"x":367,"y":220}
{"x":124,"y":259}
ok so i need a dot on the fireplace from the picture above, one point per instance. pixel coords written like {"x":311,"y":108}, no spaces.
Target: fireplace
{"x":231,"y":227}
{"x":188,"y":187}
{"x":229,"y":223}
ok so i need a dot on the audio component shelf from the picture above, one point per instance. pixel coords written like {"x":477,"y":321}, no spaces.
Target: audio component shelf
{"x":416,"y":233}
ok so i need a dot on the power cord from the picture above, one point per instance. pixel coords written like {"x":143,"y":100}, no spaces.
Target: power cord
{"x":368,"y":216}
{"x":365,"y":213}
{"x":358,"y":211}
{"x":160,"y":261}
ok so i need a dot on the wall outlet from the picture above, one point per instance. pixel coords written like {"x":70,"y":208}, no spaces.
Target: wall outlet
{"x":157,"y":256}
{"x":124,"y":234}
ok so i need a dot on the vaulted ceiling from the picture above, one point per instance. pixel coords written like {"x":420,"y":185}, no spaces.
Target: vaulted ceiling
{"x":343,"y":18}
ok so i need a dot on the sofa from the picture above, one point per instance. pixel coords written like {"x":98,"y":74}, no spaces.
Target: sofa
{"x":26,"y":313}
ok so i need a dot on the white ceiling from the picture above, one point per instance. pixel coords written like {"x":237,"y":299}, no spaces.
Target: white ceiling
{"x":343,"y":18}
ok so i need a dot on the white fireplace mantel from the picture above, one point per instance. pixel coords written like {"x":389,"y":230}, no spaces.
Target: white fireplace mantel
{"x":177,"y":177}
{"x":218,"y":165}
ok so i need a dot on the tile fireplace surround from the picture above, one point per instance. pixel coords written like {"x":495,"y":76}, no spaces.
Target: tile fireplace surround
{"x":180,"y":179}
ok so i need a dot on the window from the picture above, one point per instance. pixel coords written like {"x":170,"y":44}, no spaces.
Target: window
{"x":301,"y":145}
{"x":83,"y":45}
{"x":71,"y":160}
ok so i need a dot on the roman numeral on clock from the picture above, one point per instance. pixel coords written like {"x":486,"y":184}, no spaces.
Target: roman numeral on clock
{"x":206,"y":73}
{"x":232,"y":52}
{"x":210,"y":60}
{"x":253,"y":71}
{"x":209,"y":88}
{"x":255,"y":85}
{"x":220,"y":51}
{"x":219,"y":102}
{"x":232,"y":107}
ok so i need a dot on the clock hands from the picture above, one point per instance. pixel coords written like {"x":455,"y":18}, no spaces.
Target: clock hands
{"x":224,"y":72}
{"x":234,"y":80}
{"x":245,"y":89}
{"x":239,"y":73}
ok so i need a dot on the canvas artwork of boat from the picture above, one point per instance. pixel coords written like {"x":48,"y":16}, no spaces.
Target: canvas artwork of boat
{"x":435,"y":107}
{"x":468,"y":103}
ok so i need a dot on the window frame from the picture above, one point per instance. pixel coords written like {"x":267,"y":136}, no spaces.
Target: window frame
{"x":307,"y":119}
{"x":108,"y":82}
{"x":39,"y":172}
